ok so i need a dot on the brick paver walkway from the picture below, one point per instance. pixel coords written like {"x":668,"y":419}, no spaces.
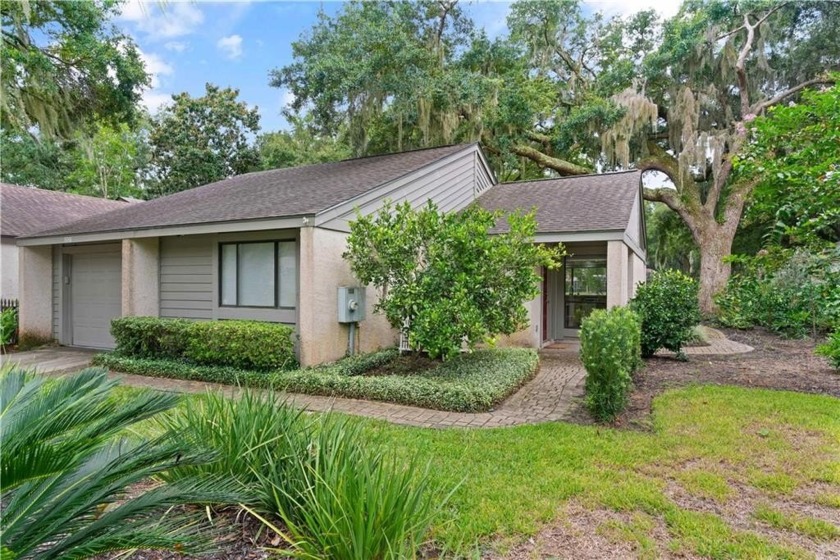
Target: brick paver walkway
{"x":547,"y":397}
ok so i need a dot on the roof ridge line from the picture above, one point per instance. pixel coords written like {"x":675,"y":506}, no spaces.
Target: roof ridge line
{"x":542,"y":179}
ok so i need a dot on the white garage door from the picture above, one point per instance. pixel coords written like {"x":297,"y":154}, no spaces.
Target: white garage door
{"x":95,"y":298}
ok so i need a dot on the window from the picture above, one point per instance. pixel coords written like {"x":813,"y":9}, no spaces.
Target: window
{"x":586,"y":288}
{"x":258,"y":274}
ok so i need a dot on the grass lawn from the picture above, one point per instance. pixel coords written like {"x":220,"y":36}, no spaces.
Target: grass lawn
{"x":726,"y":473}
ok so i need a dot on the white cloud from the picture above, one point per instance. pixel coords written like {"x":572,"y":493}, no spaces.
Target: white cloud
{"x":162,"y":21}
{"x":177,"y":46}
{"x":155,"y":100}
{"x":665,"y":8}
{"x":153,"y":97}
{"x":156,"y":67}
{"x":230,"y":46}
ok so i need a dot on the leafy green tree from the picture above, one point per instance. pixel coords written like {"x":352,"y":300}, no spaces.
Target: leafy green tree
{"x":27,"y":161}
{"x":199,"y":140}
{"x":109,"y":164}
{"x":669,"y":242}
{"x":300,"y":146}
{"x":794,"y":155}
{"x":64,"y":65}
{"x":67,"y":469}
{"x":443,"y":278}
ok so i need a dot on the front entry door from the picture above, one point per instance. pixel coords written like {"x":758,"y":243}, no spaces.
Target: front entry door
{"x":584,"y":290}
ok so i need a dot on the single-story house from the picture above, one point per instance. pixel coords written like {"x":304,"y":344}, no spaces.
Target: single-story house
{"x":268,"y":246}
{"x":24,"y":211}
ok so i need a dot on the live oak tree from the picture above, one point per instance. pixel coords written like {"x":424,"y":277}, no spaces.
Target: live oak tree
{"x":442,"y":278}
{"x":570,"y":92}
{"x":199,"y":140}
{"x":64,"y":65}
{"x":719,"y":66}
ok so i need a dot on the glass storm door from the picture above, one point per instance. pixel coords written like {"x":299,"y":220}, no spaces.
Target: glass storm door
{"x":585,"y":288}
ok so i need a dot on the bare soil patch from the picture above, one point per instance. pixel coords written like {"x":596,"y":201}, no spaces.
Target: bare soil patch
{"x":776,"y":363}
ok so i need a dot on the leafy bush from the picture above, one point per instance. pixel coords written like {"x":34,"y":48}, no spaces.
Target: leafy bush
{"x":443,"y":278}
{"x":239,"y":344}
{"x":831,"y":349}
{"x":344,"y":498}
{"x":242,"y":344}
{"x":667,"y":307}
{"x":610,"y":352}
{"x":8,"y":325}
{"x":468,"y":383}
{"x":791,"y":292}
{"x":66,"y":470}
{"x":151,"y":337}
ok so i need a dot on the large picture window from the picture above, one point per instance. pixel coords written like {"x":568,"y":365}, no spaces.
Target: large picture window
{"x":586,"y":288}
{"x":258,"y":274}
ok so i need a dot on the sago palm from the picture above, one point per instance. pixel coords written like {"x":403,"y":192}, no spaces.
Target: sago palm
{"x":66,"y":467}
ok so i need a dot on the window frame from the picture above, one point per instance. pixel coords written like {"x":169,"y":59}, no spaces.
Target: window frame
{"x":276,"y":253}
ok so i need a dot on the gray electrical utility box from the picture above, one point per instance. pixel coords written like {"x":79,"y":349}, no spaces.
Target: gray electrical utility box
{"x":351,"y":304}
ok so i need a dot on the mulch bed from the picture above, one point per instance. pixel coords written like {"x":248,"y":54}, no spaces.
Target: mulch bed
{"x":776,"y":363}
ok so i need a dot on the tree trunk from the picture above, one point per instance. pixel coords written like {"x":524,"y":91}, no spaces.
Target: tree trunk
{"x":715,"y":243}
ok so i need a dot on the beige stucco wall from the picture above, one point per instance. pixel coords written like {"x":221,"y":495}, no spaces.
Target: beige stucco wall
{"x":638,"y":272}
{"x":322,"y":271}
{"x":617,"y":273}
{"x":531,"y":336}
{"x":9,"y":268}
{"x":140,"y":277}
{"x":35,"y":291}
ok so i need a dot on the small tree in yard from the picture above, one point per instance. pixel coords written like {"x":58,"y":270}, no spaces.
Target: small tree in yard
{"x":443,"y":278}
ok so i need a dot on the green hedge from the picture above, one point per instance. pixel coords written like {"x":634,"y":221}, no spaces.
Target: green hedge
{"x":610,"y":350}
{"x":467,"y":383}
{"x":238,"y":344}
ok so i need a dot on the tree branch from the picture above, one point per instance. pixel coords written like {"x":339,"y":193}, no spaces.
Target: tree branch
{"x":561,"y":166}
{"x":741,"y":70}
{"x":778,"y":98}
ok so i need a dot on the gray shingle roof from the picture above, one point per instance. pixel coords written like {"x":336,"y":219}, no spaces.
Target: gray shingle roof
{"x":569,"y":204}
{"x":26,"y":210}
{"x":295,"y":191}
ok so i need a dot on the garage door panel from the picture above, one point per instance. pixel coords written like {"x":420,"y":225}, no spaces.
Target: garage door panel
{"x":96,"y":298}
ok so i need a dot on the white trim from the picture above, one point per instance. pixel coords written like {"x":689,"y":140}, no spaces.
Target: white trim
{"x":199,"y":229}
{"x":579,"y":236}
{"x":635,"y":247}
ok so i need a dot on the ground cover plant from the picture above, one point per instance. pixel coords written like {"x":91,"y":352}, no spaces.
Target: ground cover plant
{"x":472,"y":382}
{"x":831,"y":349}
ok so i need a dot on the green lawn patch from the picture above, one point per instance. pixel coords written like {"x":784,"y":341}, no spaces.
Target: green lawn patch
{"x":810,"y":527}
{"x":472,"y":382}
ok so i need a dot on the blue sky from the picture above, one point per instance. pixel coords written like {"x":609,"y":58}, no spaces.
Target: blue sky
{"x":188,"y":43}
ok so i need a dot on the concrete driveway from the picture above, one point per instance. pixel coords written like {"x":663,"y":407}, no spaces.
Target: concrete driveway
{"x":51,"y":359}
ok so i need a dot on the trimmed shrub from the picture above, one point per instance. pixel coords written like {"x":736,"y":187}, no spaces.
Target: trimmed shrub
{"x":610,"y":352}
{"x":668,"y":309}
{"x":468,"y":383}
{"x":151,"y":337}
{"x":241,"y":344}
{"x":831,"y":349}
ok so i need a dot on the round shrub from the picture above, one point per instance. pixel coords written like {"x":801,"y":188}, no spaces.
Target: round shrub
{"x":610,"y":352}
{"x":242,"y":344}
{"x":151,"y":337}
{"x":668,"y":308}
{"x":831,"y":349}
